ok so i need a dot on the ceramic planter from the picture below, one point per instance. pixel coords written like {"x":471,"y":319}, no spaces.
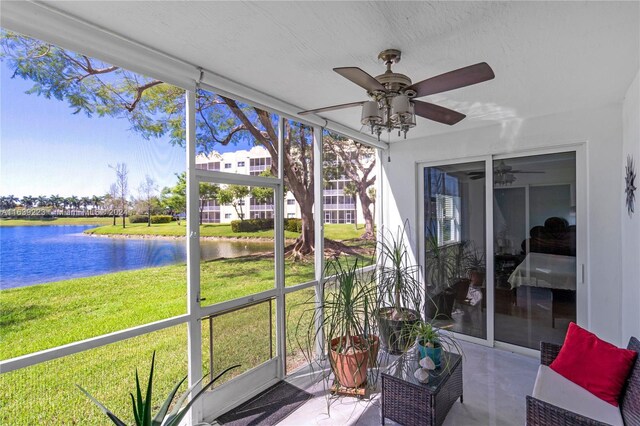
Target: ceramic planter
{"x":434,"y":353}
{"x":350,"y":367}
{"x":395,"y":335}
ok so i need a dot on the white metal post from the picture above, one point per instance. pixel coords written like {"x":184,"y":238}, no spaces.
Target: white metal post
{"x":193,"y":258}
{"x":278,"y":223}
{"x":319,"y":236}
{"x":489,"y":250}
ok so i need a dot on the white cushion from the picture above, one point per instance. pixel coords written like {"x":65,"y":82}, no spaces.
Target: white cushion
{"x":553,"y":388}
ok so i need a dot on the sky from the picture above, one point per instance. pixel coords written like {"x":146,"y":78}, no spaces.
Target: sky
{"x":45,"y":149}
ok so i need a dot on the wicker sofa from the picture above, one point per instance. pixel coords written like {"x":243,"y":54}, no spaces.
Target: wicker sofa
{"x":544,"y":413}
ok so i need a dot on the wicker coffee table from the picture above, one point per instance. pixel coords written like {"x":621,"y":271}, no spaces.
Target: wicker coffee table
{"x":407,"y":401}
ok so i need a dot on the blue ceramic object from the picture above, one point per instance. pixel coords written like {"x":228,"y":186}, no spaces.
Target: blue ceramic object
{"x":433,"y":353}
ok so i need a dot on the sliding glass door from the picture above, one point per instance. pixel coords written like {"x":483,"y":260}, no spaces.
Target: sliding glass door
{"x":534,"y":224}
{"x":454,"y":246}
{"x":526,"y":290}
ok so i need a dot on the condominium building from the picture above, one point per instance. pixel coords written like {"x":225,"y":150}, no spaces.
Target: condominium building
{"x":338,"y":206}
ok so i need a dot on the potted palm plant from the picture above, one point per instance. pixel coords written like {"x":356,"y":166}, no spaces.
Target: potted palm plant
{"x":399,"y":293}
{"x":345,"y":322}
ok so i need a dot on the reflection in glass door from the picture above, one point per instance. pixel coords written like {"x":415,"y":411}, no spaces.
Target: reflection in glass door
{"x":454,"y":247}
{"x":534,"y":223}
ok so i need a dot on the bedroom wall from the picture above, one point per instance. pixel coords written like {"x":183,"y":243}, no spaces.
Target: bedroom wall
{"x":631,"y":224}
{"x":600,"y":129}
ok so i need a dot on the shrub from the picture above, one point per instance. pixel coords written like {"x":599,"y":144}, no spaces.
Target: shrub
{"x":138,"y":218}
{"x":161,"y":218}
{"x":155,"y":218}
{"x":251,"y":225}
{"x":293,"y":225}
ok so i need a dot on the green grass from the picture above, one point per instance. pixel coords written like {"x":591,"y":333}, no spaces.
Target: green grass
{"x":338,"y":232}
{"x":47,"y":315}
{"x":57,"y":221}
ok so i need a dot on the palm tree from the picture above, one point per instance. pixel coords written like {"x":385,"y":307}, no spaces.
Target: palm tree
{"x":42,"y":200}
{"x":11,"y":201}
{"x":84,"y":202}
{"x":74,"y":203}
{"x":96,"y":200}
{"x":27,"y":201}
{"x":55,"y":201}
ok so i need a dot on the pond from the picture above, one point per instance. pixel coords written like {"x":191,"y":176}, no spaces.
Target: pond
{"x":38,"y":254}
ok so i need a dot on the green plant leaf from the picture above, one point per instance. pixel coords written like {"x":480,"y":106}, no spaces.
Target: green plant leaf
{"x":176,"y":415}
{"x":146,"y":418}
{"x":157,"y":420}
{"x":136,"y":416}
{"x":104,"y":409}
{"x":139,"y":399}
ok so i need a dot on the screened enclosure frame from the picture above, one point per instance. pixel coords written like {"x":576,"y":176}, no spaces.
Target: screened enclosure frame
{"x":43,"y":22}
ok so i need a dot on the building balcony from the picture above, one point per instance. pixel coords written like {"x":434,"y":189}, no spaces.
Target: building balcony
{"x":339,"y":207}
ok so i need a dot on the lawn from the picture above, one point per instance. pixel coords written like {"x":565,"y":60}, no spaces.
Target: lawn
{"x":339,"y":232}
{"x":47,"y":315}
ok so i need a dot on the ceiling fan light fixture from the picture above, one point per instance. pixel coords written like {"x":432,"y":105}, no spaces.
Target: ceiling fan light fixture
{"x":371,"y":114}
{"x":400,"y":105}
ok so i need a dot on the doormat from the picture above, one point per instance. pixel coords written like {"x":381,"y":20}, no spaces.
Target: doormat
{"x":268,"y":407}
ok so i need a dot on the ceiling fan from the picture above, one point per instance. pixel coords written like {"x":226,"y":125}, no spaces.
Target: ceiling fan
{"x":502,"y":173}
{"x":393,"y":104}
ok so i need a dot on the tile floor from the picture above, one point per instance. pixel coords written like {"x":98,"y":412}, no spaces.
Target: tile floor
{"x":495,"y":385}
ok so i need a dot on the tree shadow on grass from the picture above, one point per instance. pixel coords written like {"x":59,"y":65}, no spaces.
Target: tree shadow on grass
{"x":14,"y":315}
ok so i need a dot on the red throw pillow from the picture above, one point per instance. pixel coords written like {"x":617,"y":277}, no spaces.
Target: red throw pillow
{"x":598,"y":366}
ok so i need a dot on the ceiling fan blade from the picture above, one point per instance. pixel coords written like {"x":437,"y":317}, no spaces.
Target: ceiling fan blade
{"x":477,"y":177}
{"x":475,"y":173}
{"x":331,"y":108}
{"x":361,"y":78}
{"x":437,"y":113}
{"x":522,"y":171}
{"x":453,"y":80}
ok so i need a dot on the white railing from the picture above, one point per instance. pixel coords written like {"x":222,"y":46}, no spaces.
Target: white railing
{"x":339,"y":206}
{"x":261,"y":207}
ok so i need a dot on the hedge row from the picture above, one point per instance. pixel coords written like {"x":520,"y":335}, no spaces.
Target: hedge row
{"x":253,"y":225}
{"x":141,"y":218}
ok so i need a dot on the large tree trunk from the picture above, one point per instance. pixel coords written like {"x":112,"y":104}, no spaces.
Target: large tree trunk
{"x":304,"y":245}
{"x":365,"y":201}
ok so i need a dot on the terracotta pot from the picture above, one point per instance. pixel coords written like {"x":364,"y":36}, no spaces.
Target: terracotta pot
{"x":350,"y":368}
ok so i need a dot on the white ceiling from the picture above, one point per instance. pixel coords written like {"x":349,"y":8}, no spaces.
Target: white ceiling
{"x":547,"y":56}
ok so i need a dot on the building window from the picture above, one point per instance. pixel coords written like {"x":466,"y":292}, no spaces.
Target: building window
{"x":227,"y":215}
{"x":227,"y":165}
{"x":291,"y":202}
{"x":291,"y":215}
{"x":240,"y":163}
